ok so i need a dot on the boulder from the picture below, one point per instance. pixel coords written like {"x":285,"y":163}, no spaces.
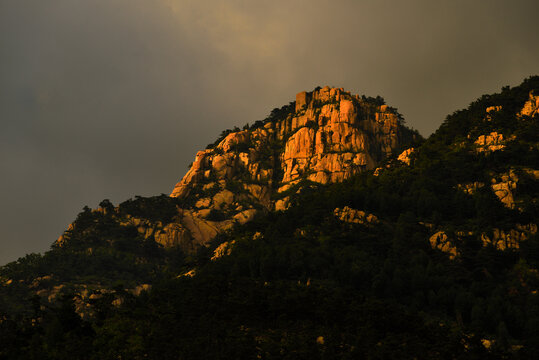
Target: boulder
{"x":282,"y":204}
{"x":350,"y":215}
{"x":222,"y":250}
{"x":531,"y":107}
{"x":405,"y":156}
{"x":441,"y":241}
{"x":490,"y":142}
{"x":222,"y":199}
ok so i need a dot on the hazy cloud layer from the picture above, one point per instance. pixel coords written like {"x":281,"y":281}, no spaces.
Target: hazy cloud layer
{"x":112,"y":98}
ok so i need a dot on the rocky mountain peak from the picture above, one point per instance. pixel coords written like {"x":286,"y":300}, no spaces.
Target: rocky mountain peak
{"x":325,"y":136}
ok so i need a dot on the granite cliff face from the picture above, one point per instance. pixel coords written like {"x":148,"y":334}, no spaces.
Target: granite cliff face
{"x":327,"y":136}
{"x":330,"y":136}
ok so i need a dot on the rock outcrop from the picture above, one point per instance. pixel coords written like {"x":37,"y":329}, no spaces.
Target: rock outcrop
{"x":405,"y":156}
{"x":471,"y":188}
{"x":490,"y":142}
{"x":504,"y":185}
{"x":508,"y":239}
{"x":222,"y":250}
{"x":491,"y":110}
{"x":500,"y":239}
{"x":331,"y":136}
{"x":355,"y":216}
{"x":531,"y":107}
{"x":328,"y":136}
{"x":441,"y":241}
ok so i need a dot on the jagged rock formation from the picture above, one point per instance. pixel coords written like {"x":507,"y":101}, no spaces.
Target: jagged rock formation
{"x":490,"y":142}
{"x":508,"y":239}
{"x":222,"y":250}
{"x":355,"y":216}
{"x":503,"y":185}
{"x":470,"y":188}
{"x":405,"y":156}
{"x":328,"y":136}
{"x":498,"y":238}
{"x":440,"y":241}
{"x":531,"y":107}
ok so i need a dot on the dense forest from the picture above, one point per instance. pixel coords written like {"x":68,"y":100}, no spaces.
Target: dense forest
{"x":303,"y":283}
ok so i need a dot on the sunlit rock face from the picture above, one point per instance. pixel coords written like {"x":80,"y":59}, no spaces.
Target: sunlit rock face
{"x":490,"y":142}
{"x":531,"y":107}
{"x":499,"y":239}
{"x":405,"y":156}
{"x":506,"y":185}
{"x":355,"y":216}
{"x":331,"y":136}
{"x":327,"y":136}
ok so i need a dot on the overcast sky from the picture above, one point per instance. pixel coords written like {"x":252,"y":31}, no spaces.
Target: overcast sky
{"x":112,"y":98}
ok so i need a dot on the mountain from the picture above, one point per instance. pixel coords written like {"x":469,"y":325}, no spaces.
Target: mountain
{"x":327,"y":230}
{"x":325,"y":136}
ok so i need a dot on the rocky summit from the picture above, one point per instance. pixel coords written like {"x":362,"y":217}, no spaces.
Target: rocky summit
{"x":325,"y":136}
{"x":328,"y":137}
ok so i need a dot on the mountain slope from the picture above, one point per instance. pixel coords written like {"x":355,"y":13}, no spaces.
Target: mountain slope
{"x":432,"y":255}
{"x":325,"y":136}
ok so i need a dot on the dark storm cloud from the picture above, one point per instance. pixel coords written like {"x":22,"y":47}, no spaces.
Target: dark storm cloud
{"x":112,"y":98}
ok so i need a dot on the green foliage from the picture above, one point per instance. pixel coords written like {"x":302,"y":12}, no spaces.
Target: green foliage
{"x":275,"y":115}
{"x":241,"y":147}
{"x":234,"y":186}
{"x":216,"y":215}
{"x":222,"y":136}
{"x":161,"y":208}
{"x":317,"y":104}
{"x":463,"y":122}
{"x":378,"y":100}
{"x":312,"y":124}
